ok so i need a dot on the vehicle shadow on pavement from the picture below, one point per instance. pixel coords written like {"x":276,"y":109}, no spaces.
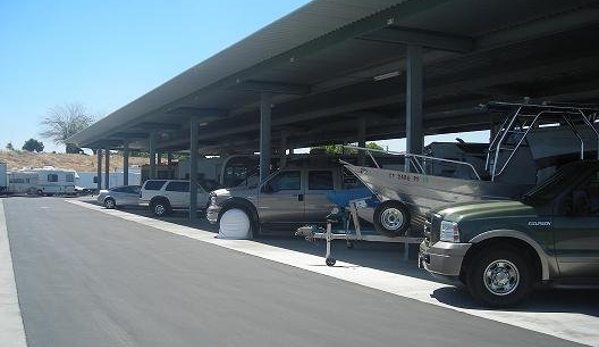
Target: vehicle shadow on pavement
{"x":542,"y":300}
{"x":388,"y":257}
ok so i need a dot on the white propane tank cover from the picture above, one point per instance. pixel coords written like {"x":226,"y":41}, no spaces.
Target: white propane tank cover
{"x":234,"y":225}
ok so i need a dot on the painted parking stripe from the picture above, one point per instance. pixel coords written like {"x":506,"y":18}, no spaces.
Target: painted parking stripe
{"x":574,"y":327}
{"x":12,"y":332}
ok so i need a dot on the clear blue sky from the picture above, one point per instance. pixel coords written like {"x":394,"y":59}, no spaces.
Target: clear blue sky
{"x":107,"y":53}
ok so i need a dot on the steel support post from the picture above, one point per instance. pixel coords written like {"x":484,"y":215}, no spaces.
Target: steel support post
{"x":99,"y":172}
{"x":126,"y":163}
{"x":265,"y":133}
{"x":153,"y":145}
{"x":107,"y":168}
{"x":362,"y":141}
{"x":193,"y":168}
{"x":414,"y":133}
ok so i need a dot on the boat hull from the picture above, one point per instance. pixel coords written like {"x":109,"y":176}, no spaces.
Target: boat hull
{"x":420,"y":193}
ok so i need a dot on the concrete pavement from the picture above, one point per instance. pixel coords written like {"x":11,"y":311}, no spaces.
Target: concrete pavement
{"x":86,"y":278}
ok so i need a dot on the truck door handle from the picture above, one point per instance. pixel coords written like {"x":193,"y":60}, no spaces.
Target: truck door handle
{"x":300,"y":197}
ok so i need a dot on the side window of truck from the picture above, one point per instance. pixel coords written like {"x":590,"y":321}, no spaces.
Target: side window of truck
{"x":320,"y":180}
{"x":52,"y":178}
{"x":288,"y":180}
{"x":584,"y":199}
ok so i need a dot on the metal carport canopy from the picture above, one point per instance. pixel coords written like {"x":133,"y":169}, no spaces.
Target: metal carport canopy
{"x":331,"y":63}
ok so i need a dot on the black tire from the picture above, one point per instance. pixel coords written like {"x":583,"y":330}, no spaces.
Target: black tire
{"x":515,"y":274}
{"x":40,"y":192}
{"x":252,"y":225}
{"x":391,"y":218}
{"x":330,"y":261}
{"x":109,"y":203}
{"x":160,"y":208}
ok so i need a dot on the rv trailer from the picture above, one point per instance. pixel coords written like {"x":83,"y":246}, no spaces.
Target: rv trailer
{"x":42,"y":181}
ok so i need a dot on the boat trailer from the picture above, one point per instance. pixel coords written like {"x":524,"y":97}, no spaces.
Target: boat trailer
{"x":351,"y":231}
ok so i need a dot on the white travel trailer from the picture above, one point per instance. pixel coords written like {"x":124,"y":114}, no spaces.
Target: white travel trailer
{"x":88,"y":181}
{"x":3,"y":178}
{"x":42,"y":181}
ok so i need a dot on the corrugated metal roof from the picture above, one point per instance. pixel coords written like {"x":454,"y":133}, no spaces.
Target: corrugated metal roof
{"x":335,"y":49}
{"x":303,"y":25}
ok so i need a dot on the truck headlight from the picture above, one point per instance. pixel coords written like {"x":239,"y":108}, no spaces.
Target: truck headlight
{"x":213,"y":200}
{"x":450,"y":232}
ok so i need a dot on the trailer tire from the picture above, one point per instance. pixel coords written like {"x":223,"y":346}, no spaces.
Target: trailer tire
{"x":330,"y":261}
{"x":391,"y":218}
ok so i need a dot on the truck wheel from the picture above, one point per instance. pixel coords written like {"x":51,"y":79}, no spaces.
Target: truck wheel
{"x":109,"y":203}
{"x":391,"y":218}
{"x":235,"y":223}
{"x":160,"y":208}
{"x":500,"y":277}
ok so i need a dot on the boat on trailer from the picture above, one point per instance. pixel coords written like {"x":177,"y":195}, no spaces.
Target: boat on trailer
{"x":533,"y":141}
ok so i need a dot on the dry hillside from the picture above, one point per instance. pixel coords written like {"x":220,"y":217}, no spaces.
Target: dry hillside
{"x":81,"y":163}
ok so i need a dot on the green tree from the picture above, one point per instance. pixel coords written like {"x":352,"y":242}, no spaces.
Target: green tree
{"x":33,"y":145}
{"x":374,"y":145}
{"x":10,"y":147}
{"x":336,"y":149}
{"x":65,"y":121}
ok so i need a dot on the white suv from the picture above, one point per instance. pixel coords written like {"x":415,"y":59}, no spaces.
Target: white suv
{"x":164,"y":196}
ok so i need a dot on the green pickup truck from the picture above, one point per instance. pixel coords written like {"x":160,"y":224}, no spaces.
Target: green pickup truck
{"x":501,"y":249}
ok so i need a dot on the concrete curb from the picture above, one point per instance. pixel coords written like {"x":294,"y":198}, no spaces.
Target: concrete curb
{"x":12,"y":331}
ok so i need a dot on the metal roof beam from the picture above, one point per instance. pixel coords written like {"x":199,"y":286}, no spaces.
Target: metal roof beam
{"x":548,"y":25}
{"x":272,"y":87}
{"x":444,"y":87}
{"x":189,"y":111}
{"x":425,"y":38}
{"x":128,"y":136}
{"x":158,"y":126}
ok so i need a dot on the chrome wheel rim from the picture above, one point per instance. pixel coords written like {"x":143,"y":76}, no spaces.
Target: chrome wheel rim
{"x":159,"y":210}
{"x":392,"y":219}
{"x":109,"y":203}
{"x":501,"y":277}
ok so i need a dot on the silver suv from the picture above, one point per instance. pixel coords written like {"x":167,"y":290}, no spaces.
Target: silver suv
{"x":164,"y":196}
{"x":291,"y":196}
